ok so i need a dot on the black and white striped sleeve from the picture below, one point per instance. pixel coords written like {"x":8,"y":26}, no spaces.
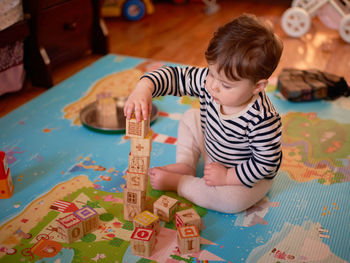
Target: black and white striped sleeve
{"x":265,"y":144}
{"x":177,"y":81}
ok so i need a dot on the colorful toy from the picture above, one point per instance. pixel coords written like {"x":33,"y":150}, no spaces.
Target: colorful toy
{"x":131,"y":9}
{"x":6,"y":185}
{"x":147,"y":220}
{"x":188,"y":217}
{"x":165,"y":207}
{"x":142,"y":241}
{"x":296,"y":20}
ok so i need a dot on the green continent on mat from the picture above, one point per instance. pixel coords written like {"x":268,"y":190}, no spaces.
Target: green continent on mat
{"x":315,"y":149}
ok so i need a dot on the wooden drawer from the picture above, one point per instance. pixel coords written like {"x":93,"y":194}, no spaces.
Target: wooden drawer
{"x":65,"y":30}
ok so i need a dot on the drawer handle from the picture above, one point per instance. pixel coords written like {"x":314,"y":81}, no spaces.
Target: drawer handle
{"x":70,"y":26}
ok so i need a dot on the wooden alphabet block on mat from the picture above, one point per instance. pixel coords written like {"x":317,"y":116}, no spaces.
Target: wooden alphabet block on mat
{"x":142,"y":242}
{"x":70,"y":228}
{"x":106,"y":110}
{"x":89,"y":217}
{"x":136,"y":181}
{"x":147,"y":220}
{"x":142,"y":146}
{"x":188,"y":239}
{"x":139,"y":164}
{"x":137,"y":129}
{"x":188,"y":217}
{"x":165,"y":207}
{"x":134,"y":203}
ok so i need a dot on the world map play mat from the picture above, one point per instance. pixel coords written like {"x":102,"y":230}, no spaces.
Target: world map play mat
{"x":58,"y":166}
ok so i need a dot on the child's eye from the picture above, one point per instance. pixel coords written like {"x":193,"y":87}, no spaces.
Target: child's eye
{"x":225,"y":86}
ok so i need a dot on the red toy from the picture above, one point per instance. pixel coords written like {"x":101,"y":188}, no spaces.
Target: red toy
{"x":6,"y":185}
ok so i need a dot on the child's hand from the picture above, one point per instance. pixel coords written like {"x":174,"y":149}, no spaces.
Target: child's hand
{"x":215,"y":174}
{"x":140,"y":100}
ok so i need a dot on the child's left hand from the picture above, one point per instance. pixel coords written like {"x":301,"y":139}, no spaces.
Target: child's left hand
{"x":215,"y":174}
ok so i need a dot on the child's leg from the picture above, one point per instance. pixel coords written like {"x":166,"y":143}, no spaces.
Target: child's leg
{"x":188,"y":150}
{"x":227,"y":199}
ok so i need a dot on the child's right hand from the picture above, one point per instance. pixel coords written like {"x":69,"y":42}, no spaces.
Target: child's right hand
{"x":140,"y":100}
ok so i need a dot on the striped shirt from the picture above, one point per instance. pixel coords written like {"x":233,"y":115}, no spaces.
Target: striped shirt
{"x":250,"y":141}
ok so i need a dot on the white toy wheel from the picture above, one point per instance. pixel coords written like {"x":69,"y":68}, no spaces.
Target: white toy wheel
{"x":344,"y":28}
{"x":295,"y":21}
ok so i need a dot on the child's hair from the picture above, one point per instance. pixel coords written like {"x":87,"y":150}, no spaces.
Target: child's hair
{"x":245,"y":48}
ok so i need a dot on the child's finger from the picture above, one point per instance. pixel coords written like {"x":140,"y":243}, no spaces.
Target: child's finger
{"x":145,"y":112}
{"x":137,"y":113}
{"x":128,"y":109}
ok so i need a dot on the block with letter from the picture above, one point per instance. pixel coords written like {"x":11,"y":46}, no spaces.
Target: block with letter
{"x":138,"y":164}
{"x":89,"y":218}
{"x":106,"y":110}
{"x":70,"y":228}
{"x":142,"y":146}
{"x":134,"y":203}
{"x":147,"y":220}
{"x":137,"y":129}
{"x":188,"y":217}
{"x":165,"y":207}
{"x":142,"y":241}
{"x":136,"y":181}
{"x":188,"y":239}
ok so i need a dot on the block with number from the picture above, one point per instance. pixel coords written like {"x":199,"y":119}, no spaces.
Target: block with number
{"x":165,"y":207}
{"x":134,"y":203}
{"x":138,"y":164}
{"x":188,"y":239}
{"x":70,"y":228}
{"x":142,"y":241}
{"x":137,"y":129}
{"x":147,"y":220}
{"x":89,"y":217}
{"x":142,"y":146}
{"x":188,"y":217}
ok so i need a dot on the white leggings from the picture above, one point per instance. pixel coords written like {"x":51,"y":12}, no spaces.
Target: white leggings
{"x":227,"y":199}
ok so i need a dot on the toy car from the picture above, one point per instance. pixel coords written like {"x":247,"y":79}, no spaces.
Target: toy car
{"x":131,"y":9}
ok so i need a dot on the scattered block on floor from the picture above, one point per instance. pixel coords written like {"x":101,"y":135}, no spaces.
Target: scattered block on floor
{"x":188,"y":239}
{"x":89,"y":217}
{"x":134,"y":203}
{"x":137,"y":129}
{"x":147,"y":220}
{"x":142,"y":146}
{"x":165,"y":207}
{"x":188,"y":217}
{"x":138,"y":164}
{"x":142,"y":241}
{"x":70,"y":228}
{"x":136,"y":181}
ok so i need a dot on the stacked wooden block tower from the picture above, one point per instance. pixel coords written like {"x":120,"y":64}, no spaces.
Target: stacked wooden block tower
{"x":147,"y":224}
{"x":6,"y":185}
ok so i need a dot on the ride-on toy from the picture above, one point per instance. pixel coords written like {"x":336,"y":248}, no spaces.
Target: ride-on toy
{"x":131,"y":9}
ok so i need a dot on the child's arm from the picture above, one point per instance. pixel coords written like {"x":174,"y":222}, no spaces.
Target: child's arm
{"x":140,"y":100}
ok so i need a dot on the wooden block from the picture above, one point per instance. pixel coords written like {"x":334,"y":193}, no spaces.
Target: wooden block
{"x":134,"y":203}
{"x":188,"y":217}
{"x":142,"y":241}
{"x":138,"y":164}
{"x":142,"y":146}
{"x":137,"y":129}
{"x":70,"y":228}
{"x":136,"y":181}
{"x":89,"y":217}
{"x":6,"y":185}
{"x":188,"y":239}
{"x":147,"y":220}
{"x":106,"y":110}
{"x":165,"y":207}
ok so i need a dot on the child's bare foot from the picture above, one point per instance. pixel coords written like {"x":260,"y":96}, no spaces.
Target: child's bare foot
{"x":163,"y":179}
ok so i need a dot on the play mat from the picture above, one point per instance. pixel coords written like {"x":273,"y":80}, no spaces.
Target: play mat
{"x":58,"y":166}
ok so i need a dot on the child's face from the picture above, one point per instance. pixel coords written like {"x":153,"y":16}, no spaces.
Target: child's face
{"x":232,"y":95}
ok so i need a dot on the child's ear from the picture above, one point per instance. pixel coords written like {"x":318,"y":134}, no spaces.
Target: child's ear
{"x":260,"y":86}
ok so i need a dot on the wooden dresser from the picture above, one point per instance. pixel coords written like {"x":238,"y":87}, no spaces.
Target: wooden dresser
{"x":61,"y":30}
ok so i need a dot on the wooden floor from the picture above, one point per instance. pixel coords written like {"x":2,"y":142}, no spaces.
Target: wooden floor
{"x":180,"y":33}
